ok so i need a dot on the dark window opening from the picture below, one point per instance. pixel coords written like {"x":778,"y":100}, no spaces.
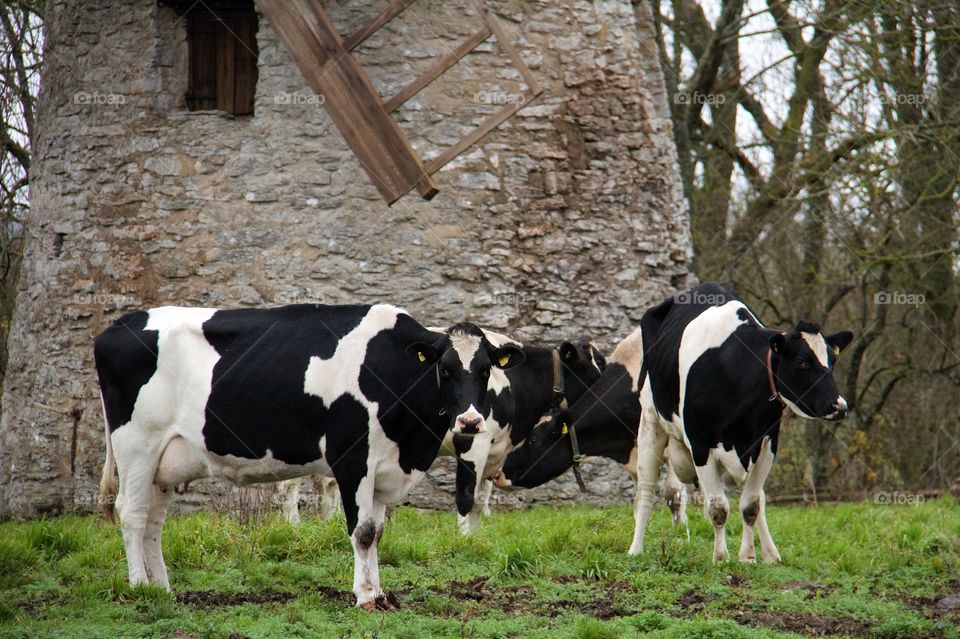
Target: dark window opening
{"x":222,"y":51}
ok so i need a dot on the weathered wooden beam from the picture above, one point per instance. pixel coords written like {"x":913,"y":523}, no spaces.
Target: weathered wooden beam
{"x":503,"y":41}
{"x":532,"y":91}
{"x":481,"y":130}
{"x":385,"y":16}
{"x":441,"y":65}
{"x":349,"y":97}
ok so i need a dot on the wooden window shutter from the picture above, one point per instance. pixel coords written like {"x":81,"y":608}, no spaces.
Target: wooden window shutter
{"x":223,"y":59}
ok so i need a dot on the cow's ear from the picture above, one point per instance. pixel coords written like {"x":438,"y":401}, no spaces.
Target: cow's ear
{"x":777,"y":341}
{"x":569,"y":354}
{"x":564,"y":420}
{"x":507,"y":356}
{"x":600,"y":359}
{"x":424,"y":353}
{"x":839,"y":341}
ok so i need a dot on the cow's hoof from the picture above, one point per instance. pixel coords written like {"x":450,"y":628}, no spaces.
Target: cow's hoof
{"x":387,"y":602}
{"x":720,"y":557}
{"x":772,"y":559}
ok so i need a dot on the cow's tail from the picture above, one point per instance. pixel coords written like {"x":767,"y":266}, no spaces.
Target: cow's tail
{"x":108,"y":478}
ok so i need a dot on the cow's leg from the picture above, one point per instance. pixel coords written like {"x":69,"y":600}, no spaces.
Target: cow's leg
{"x":767,"y":548}
{"x":356,"y":473}
{"x":472,"y":455}
{"x":330,"y":500}
{"x":365,"y":524}
{"x":715,"y":506}
{"x":468,"y":523}
{"x":135,"y":472}
{"x":152,"y":547}
{"x":753,"y":506}
{"x":378,"y":515}
{"x":289,"y":491}
{"x":748,"y":511}
{"x":676,"y":497}
{"x":651,"y":442}
{"x":486,"y":492}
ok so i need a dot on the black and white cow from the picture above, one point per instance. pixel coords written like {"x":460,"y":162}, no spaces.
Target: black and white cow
{"x":364,"y":394}
{"x":518,"y":399}
{"x":605,"y":422}
{"x":716,"y":383}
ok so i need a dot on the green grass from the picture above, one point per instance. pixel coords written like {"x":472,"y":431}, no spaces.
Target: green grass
{"x":858,"y":570}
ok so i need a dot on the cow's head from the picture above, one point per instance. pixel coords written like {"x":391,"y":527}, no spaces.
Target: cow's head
{"x":545,"y":454}
{"x":583,"y":364}
{"x":803,"y":371}
{"x":463,"y":359}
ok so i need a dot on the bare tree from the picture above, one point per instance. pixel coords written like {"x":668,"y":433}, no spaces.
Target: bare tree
{"x":20,"y":55}
{"x":823,"y":185}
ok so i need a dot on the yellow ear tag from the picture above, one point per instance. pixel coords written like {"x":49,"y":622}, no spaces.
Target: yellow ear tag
{"x":565,"y":429}
{"x":421,"y":356}
{"x":504,"y":360}
{"x":836,"y":350}
{"x":569,"y":355}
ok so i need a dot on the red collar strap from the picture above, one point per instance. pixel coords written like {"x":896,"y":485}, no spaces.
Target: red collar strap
{"x":774,"y":393}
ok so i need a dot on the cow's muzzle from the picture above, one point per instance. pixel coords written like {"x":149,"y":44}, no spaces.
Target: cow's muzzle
{"x":469,"y":423}
{"x":501,"y":481}
{"x":839,"y":410}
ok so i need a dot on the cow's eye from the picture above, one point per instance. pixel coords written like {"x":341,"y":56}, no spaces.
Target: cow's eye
{"x":444,"y":372}
{"x":802,"y":363}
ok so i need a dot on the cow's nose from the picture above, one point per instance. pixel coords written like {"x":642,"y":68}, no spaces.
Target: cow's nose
{"x":500,"y":480}
{"x":840,"y":409}
{"x":469,"y":425}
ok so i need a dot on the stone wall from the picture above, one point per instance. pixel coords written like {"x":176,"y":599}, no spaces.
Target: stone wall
{"x":565,"y":222}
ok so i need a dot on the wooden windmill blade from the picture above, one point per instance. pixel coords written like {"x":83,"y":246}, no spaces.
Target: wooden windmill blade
{"x":357,"y":109}
{"x":350,"y":98}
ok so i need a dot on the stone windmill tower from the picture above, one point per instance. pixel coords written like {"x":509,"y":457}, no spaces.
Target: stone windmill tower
{"x":184,"y":158}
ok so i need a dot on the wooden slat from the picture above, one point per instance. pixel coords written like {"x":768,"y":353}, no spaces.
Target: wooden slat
{"x":245,"y":30}
{"x":441,"y":65}
{"x":349,"y":97}
{"x":385,"y":16}
{"x":503,"y":41}
{"x":202,"y":94}
{"x":226,"y":69}
{"x":532,"y":91}
{"x":481,"y":130}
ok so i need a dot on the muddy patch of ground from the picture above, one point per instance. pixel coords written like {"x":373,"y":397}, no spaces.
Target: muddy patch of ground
{"x":524,"y":599}
{"x":810,"y":625}
{"x":520,"y":599}
{"x":813,"y":589}
{"x":693,"y":601}
{"x":208,"y":599}
{"x":944,"y":606}
{"x":41,"y":601}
